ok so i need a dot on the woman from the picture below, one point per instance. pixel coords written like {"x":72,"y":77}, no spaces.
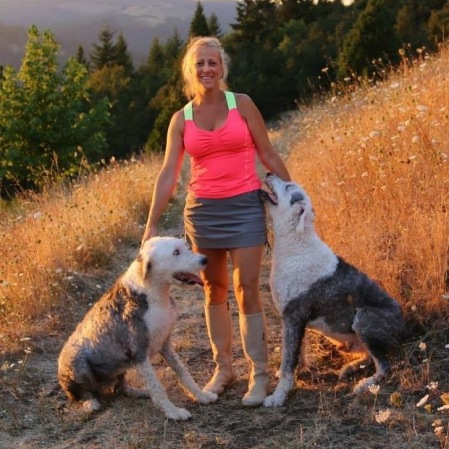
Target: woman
{"x":222,"y":131}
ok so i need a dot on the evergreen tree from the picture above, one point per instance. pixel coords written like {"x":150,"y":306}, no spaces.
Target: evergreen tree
{"x":153,"y":72}
{"x":255,"y":21}
{"x":105,"y":53}
{"x":198,"y":25}
{"x":167,"y":101}
{"x":172,"y":50}
{"x":123,"y":57}
{"x":47,"y":120}
{"x":81,"y":58}
{"x":372,"y":38}
{"x":214,"y":26}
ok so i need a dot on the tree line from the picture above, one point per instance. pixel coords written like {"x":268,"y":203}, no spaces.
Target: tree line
{"x":56,"y":121}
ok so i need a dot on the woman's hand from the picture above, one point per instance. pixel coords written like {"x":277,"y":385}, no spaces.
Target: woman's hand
{"x":150,"y":231}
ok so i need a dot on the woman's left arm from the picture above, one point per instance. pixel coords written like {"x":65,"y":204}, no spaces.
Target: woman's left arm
{"x":256,"y":125}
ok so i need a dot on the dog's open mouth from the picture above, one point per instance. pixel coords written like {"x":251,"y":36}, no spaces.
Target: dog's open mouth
{"x":188,"y":278}
{"x":268,"y":195}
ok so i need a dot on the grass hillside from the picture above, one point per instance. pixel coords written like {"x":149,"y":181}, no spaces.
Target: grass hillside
{"x":375,"y":161}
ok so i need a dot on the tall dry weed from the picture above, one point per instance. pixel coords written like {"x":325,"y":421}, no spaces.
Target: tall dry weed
{"x":59,"y":234}
{"x":375,"y":160}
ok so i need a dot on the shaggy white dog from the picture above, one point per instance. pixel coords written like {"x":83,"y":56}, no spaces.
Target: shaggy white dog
{"x":129,"y":324}
{"x":314,"y":288}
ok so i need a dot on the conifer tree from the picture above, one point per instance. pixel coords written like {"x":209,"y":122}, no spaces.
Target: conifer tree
{"x":372,"y":38}
{"x":122,"y":55}
{"x":80,"y":57}
{"x":214,"y":26}
{"x":198,"y":25}
{"x":105,"y":53}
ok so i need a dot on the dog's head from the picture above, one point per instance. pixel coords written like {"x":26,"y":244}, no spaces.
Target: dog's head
{"x":288,"y":204}
{"x":167,"y":260}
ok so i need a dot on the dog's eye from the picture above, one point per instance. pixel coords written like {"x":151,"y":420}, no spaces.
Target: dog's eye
{"x":289,"y":186}
{"x":176,"y":252}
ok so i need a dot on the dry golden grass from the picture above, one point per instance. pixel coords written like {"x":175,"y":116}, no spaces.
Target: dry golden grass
{"x":375,"y":162}
{"x":64,"y":234}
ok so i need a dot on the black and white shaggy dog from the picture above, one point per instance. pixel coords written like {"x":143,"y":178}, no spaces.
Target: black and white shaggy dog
{"x":314,"y":288}
{"x":128,"y":325}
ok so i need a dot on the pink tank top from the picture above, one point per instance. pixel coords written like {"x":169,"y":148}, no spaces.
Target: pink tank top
{"x":222,"y":162}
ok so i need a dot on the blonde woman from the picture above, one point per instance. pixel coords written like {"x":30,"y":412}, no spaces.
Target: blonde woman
{"x":222,"y":132}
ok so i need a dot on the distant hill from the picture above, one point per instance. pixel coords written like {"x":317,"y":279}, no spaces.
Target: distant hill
{"x":79,"y":22}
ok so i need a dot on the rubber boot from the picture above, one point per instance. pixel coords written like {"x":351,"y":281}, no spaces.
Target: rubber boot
{"x":219,"y":326}
{"x":253,"y":333}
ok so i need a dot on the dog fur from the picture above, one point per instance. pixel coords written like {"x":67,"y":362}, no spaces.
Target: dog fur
{"x":130,"y":324}
{"x":315,"y":289}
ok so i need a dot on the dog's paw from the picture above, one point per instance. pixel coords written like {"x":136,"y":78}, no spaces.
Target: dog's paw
{"x":274,"y":400}
{"x":177,"y":413}
{"x":205,"y":397}
{"x":364,"y":385}
{"x":91,"y":406}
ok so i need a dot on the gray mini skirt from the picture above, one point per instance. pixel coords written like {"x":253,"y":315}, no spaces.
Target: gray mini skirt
{"x":235,"y":222}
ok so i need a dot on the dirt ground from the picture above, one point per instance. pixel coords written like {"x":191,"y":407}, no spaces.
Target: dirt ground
{"x":320,"y":413}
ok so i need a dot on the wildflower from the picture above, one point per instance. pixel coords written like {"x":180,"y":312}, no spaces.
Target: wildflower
{"x":382,"y":415}
{"x":422,"y":346}
{"x":438,"y":430}
{"x":432,"y":386}
{"x":422,"y":401}
{"x":396,"y":399}
{"x":415,"y":139}
{"x":374,"y":389}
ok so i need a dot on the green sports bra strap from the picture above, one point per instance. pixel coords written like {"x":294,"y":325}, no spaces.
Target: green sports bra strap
{"x":230,"y":100}
{"x":188,"y":111}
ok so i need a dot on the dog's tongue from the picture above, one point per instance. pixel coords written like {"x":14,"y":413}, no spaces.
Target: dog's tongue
{"x":195,"y":279}
{"x":189,"y":278}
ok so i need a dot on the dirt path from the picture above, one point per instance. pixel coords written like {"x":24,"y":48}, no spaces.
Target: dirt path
{"x":321,"y":413}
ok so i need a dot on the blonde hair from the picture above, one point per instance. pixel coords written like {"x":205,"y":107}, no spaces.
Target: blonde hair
{"x":188,"y":63}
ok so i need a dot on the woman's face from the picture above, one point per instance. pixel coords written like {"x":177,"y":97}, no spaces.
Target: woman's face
{"x":208,"y":67}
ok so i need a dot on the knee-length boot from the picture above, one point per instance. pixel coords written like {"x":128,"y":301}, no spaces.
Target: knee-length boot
{"x":253,"y":333}
{"x":219,"y":326}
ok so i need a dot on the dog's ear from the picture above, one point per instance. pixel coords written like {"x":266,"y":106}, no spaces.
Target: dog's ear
{"x":144,"y":266}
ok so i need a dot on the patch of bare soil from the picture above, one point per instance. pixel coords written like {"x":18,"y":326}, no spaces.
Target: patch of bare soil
{"x":320,"y":413}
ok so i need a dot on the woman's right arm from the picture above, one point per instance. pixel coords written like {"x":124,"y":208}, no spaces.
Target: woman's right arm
{"x":168,"y":175}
